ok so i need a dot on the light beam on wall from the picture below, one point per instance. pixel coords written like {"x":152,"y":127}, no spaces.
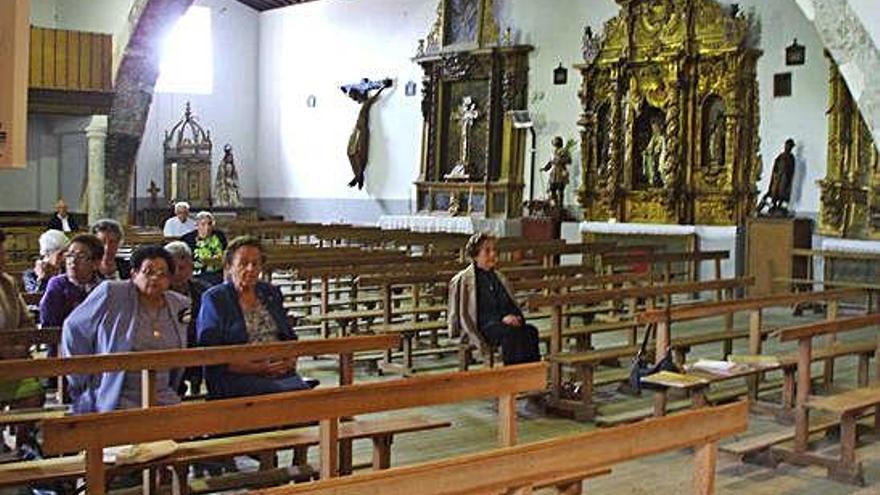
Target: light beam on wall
{"x":187,"y":59}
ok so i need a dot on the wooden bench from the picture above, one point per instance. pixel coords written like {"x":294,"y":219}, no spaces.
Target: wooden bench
{"x":556,"y":302}
{"x":847,"y":406}
{"x":93,"y":432}
{"x":521,"y":469}
{"x":147,"y":363}
{"x":381,"y":432}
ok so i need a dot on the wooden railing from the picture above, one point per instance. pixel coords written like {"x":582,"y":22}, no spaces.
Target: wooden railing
{"x":70,"y":60}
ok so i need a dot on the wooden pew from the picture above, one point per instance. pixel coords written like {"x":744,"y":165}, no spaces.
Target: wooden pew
{"x":521,"y":469}
{"x":585,"y":363}
{"x":147,"y":363}
{"x":93,"y":432}
{"x":848,"y":406}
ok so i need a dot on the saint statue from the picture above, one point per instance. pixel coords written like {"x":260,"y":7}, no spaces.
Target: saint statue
{"x":558,"y":168}
{"x":654,"y":156}
{"x":226,"y":192}
{"x":467,"y":113}
{"x":780,"y":183}
{"x":716,"y":143}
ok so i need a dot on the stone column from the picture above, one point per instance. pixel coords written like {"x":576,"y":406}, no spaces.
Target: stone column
{"x":96,"y":133}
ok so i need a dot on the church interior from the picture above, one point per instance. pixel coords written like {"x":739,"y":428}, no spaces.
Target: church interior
{"x":439,"y":247}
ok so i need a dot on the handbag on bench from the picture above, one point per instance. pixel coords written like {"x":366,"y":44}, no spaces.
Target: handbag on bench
{"x":642,"y":367}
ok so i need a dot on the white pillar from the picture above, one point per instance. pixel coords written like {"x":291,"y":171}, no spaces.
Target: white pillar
{"x":96,"y":133}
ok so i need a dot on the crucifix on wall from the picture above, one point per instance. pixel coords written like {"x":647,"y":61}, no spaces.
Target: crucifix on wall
{"x":466,"y":114}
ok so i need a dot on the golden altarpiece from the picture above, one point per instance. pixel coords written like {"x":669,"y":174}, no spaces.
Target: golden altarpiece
{"x":850,"y":191}
{"x":475,"y":78}
{"x":669,"y":129}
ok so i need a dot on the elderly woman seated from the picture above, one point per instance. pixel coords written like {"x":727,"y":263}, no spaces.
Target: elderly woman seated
{"x":245,"y":310}
{"x":66,"y":291}
{"x":481,"y":304}
{"x":139,"y":314}
{"x":52,"y":246}
{"x":16,"y":393}
{"x":111,"y":267}
{"x":207,"y":245}
{"x":183,"y":282}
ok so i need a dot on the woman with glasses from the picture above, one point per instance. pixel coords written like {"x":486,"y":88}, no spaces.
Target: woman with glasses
{"x":139,"y":314}
{"x":66,"y":291}
{"x":245,"y":310}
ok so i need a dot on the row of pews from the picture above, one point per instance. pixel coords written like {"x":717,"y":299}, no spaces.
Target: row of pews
{"x":379,"y":297}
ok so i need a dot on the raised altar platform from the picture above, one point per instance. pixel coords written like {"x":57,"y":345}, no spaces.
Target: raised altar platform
{"x":456,"y":225}
{"x":674,"y":238}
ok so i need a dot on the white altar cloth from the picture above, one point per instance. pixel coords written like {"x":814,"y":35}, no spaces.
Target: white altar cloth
{"x":709,"y":238}
{"x":454,"y":225}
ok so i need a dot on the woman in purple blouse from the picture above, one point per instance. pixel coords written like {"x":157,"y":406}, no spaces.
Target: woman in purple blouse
{"x":66,"y":291}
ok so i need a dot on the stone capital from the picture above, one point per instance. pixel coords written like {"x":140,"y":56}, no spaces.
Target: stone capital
{"x":97,"y":128}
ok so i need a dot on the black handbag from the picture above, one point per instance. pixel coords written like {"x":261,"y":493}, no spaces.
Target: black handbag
{"x":641,"y":367}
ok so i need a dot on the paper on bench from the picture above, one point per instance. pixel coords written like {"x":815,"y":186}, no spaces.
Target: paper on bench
{"x":713,"y":366}
{"x":139,"y":453}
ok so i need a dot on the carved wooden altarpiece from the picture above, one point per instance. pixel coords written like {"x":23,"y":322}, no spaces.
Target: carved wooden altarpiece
{"x":669,"y":129}
{"x":187,"y":162}
{"x":472,"y":157}
{"x":850,"y":191}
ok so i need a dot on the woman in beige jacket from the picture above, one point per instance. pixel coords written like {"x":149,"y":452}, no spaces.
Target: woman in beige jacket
{"x":482,"y":309}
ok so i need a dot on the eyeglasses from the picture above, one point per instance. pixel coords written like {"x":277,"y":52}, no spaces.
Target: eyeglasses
{"x":77,"y":257}
{"x":154,"y":273}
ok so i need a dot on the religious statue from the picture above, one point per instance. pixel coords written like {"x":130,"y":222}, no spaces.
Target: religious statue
{"x":780,"y":183}
{"x":359,"y":142}
{"x":558,"y":168}
{"x":590,"y":45}
{"x":153,"y":191}
{"x":654,"y":156}
{"x":716,"y":144}
{"x":467,"y":113}
{"x":226,"y":189}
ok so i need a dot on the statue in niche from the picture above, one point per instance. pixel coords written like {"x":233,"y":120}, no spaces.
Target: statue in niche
{"x":466,"y":114}
{"x":558,"y":168}
{"x":654,"y":155}
{"x":226,"y":191}
{"x":778,"y":196}
{"x":715,"y":138}
{"x":359,"y":142}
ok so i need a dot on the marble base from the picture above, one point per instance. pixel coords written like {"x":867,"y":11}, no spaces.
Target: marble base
{"x":709,"y":238}
{"x":454,"y":225}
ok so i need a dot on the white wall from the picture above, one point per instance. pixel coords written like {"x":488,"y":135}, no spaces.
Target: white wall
{"x":55,"y":168}
{"x":229,"y":112}
{"x":315,"y":47}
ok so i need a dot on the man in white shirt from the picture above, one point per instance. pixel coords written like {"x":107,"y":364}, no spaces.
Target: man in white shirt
{"x":180,"y":224}
{"x":62,"y":220}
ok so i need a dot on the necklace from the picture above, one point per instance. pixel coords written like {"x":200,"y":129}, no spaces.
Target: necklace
{"x":154,"y":321}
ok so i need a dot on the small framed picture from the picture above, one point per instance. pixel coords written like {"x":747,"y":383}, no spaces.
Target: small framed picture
{"x":782,"y":85}
{"x":410,"y":88}
{"x":795,"y":54}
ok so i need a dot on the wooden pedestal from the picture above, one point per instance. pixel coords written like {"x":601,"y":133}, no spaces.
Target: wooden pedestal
{"x":769,"y":245}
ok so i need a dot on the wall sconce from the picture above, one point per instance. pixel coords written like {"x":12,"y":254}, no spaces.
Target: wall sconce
{"x":410,"y":88}
{"x":796,"y":54}
{"x":560,"y":75}
{"x":311,"y":101}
